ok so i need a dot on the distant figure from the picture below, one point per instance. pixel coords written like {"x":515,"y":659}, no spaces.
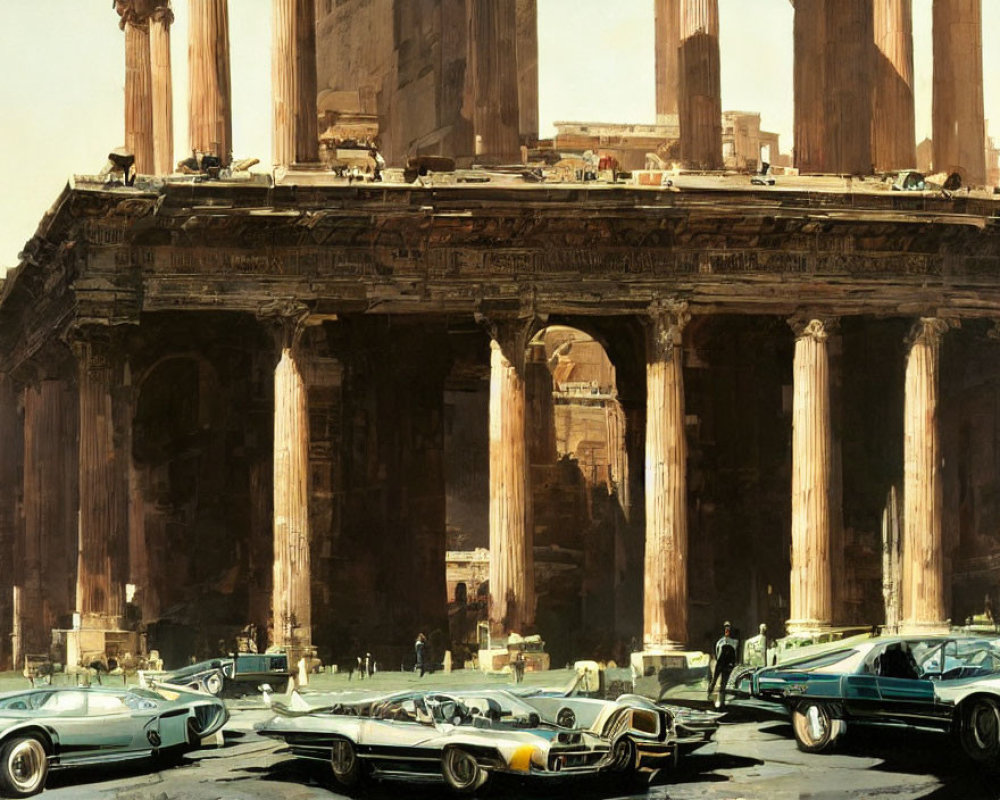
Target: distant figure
{"x":518,"y":667}
{"x":420,"y":650}
{"x":369,"y":665}
{"x":725,"y":660}
{"x":379,"y":163}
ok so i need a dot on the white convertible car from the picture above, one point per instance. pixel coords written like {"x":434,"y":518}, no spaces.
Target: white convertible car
{"x":462,"y":737}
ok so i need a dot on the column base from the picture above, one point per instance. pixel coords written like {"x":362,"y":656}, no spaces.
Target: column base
{"x":84,"y":646}
{"x":919,"y":628}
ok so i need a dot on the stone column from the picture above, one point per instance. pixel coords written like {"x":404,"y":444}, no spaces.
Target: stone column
{"x":700,"y":97}
{"x":959,"y":128}
{"x":665,"y":594}
{"x":163,"y":88}
{"x":138,"y":83}
{"x":667,"y":26}
{"x":810,"y":591}
{"x":12,"y":439}
{"x":493,"y":53}
{"x":103,"y":534}
{"x":894,"y":142}
{"x":210,"y":124}
{"x":293,"y":82}
{"x":49,"y":511}
{"x":849,"y":52}
{"x":527,"y":69}
{"x":810,"y":85}
{"x":924,"y":607}
{"x":512,"y":585}
{"x":291,"y":588}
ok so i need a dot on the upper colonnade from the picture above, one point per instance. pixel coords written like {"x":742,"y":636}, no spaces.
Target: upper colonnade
{"x":853,"y":83}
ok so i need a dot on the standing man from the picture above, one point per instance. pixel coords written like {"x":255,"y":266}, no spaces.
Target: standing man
{"x":725,"y":660}
{"x":420,"y":649}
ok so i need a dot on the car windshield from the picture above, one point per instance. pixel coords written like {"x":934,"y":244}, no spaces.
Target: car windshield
{"x":958,"y":658}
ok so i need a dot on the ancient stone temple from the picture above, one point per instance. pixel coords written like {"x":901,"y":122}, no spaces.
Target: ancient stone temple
{"x":240,"y":399}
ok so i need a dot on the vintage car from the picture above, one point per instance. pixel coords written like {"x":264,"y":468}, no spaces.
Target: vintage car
{"x":54,"y":728}
{"x":234,"y":675}
{"x":463,"y":737}
{"x":945,"y":683}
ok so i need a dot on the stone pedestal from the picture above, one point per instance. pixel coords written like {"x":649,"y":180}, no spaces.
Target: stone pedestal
{"x":923,"y":600}
{"x":810,"y":590}
{"x":665,"y":585}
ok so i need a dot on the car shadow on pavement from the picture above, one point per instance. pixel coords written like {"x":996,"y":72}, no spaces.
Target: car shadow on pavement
{"x":915,"y":752}
{"x":81,"y":776}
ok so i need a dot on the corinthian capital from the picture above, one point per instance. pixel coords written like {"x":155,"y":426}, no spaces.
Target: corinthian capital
{"x":664,"y":327}
{"x":139,"y":12}
{"x":929,"y":330}
{"x":809,"y":326}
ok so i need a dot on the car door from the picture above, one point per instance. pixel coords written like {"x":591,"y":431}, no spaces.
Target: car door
{"x":91,"y":725}
{"x":397,"y":742}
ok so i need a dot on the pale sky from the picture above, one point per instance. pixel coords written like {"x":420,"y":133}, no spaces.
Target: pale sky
{"x":63,"y":86}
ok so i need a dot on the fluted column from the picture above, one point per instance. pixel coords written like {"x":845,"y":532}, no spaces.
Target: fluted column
{"x":527,"y":68}
{"x":923,"y":579}
{"x":810,"y":591}
{"x":849,"y":51}
{"x":138,"y":83}
{"x":291,"y":597}
{"x":512,"y":585}
{"x":665,"y":587}
{"x":162,"y":88}
{"x":700,"y":99}
{"x":12,"y":439}
{"x":667,"y":29}
{"x":810,"y":85}
{"x":894,"y":141}
{"x":293,"y":82}
{"x":49,"y":512}
{"x":493,"y":48}
{"x":210,"y":124}
{"x":959,"y":128}
{"x":103,"y":534}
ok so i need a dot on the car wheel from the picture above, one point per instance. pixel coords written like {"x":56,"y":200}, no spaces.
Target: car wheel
{"x":815,"y":730}
{"x":623,"y":755}
{"x":980,"y":729}
{"x":24,"y":764}
{"x":461,"y":770}
{"x":214,"y":683}
{"x":344,"y":762}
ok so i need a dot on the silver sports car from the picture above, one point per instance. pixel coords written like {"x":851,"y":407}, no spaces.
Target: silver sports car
{"x":51,"y":728}
{"x":462,"y":737}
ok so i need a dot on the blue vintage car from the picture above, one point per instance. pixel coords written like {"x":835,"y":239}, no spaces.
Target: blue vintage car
{"x":945,"y":683}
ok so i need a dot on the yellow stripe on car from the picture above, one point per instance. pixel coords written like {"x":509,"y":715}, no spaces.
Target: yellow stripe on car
{"x":520,"y":760}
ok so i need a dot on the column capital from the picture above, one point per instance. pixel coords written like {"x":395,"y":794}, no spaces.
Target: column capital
{"x":665,"y":323}
{"x":813,"y":326}
{"x":138,"y":13}
{"x":511,"y":332}
{"x":286,"y":320}
{"x":930,"y":330}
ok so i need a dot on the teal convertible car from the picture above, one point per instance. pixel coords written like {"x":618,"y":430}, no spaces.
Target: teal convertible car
{"x":54,"y":728}
{"x":944,"y":683}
